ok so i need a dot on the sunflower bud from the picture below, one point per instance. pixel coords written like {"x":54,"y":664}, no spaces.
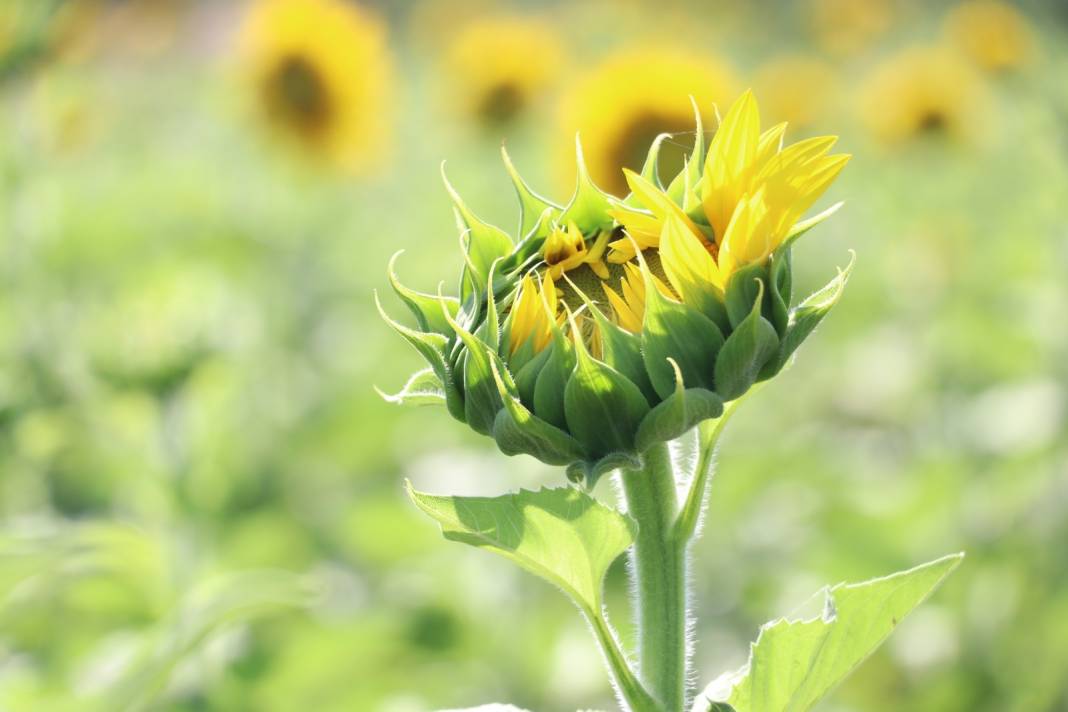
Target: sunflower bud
{"x":611,"y":325}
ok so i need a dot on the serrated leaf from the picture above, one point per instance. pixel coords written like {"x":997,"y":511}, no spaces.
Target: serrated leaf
{"x":751,"y":345}
{"x":795,"y":663}
{"x":809,"y":313}
{"x":423,"y":388}
{"x":562,"y":535}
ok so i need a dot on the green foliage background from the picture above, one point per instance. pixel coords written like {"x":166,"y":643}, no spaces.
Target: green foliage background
{"x":201,"y":502}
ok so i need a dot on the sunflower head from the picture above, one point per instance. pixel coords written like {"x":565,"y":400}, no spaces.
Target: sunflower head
{"x":623,"y":104}
{"x":612,"y":324}
{"x":797,"y":88}
{"x":320,"y":73}
{"x":501,"y":66}
{"x":923,"y":92}
{"x":995,"y":35}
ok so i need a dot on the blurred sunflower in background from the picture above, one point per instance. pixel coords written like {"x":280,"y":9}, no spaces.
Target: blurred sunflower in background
{"x":622,"y":105}
{"x":994,"y":35}
{"x":500,"y":66}
{"x":923,"y":91}
{"x":321,"y":74}
{"x":847,"y":27}
{"x":798,"y":89}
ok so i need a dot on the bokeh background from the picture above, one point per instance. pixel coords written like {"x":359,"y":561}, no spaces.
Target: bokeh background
{"x":201,"y":501}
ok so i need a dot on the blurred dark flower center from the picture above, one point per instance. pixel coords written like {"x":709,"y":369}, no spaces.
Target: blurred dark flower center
{"x":633,"y":143}
{"x":297,"y":95}
{"x":933,"y":121}
{"x":501,"y":103}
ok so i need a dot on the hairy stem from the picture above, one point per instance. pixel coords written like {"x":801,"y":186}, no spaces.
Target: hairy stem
{"x":658,"y":568}
{"x":627,"y":685}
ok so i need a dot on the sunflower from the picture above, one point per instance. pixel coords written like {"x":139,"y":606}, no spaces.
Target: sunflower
{"x":796,"y":88}
{"x":500,"y":66}
{"x":612,"y":325}
{"x":922,"y":91}
{"x":995,"y":35}
{"x":621,"y":106}
{"x":744,"y":205}
{"x":847,"y":27}
{"x":321,"y":72}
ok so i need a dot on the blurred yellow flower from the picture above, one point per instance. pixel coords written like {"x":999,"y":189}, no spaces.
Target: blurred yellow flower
{"x":322,"y":75}
{"x":796,"y":88}
{"x":499,"y":66}
{"x":846,"y":27}
{"x":922,"y":90}
{"x":623,"y":104}
{"x":993,"y":34}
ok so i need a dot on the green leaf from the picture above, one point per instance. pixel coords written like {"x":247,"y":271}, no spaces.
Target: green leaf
{"x":682,"y":187}
{"x":678,"y":414}
{"x":742,"y":293}
{"x":809,"y":313}
{"x":588,"y":473}
{"x":650,"y":171}
{"x":751,"y":345}
{"x":212,"y":605}
{"x":423,"y":388}
{"x":562,"y":535}
{"x":553,"y":378}
{"x":780,"y":291}
{"x":481,"y":400}
{"x":795,"y":663}
{"x":676,"y":331}
{"x":494,"y":707}
{"x":590,"y":205}
{"x":621,"y":349}
{"x":425,"y":307}
{"x":804,"y":226}
{"x":517,"y":430}
{"x":602,"y":407}
{"x":483,"y":243}
{"x":531,"y":205}
{"x":432,"y":346}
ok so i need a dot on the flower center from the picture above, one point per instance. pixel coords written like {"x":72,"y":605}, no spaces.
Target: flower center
{"x":633,"y":143}
{"x":296,"y":95}
{"x":501,"y":103}
{"x":932,"y":121}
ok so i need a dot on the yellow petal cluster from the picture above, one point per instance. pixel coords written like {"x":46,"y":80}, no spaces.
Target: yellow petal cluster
{"x":752,"y":193}
{"x":749,"y":200}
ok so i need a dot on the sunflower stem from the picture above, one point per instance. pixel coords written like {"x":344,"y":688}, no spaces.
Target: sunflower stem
{"x":659,"y":575}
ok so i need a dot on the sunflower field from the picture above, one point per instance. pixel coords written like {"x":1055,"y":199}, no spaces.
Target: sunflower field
{"x":202,"y":462}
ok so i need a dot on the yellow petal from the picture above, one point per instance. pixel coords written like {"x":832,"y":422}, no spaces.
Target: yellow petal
{"x":688,"y":265}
